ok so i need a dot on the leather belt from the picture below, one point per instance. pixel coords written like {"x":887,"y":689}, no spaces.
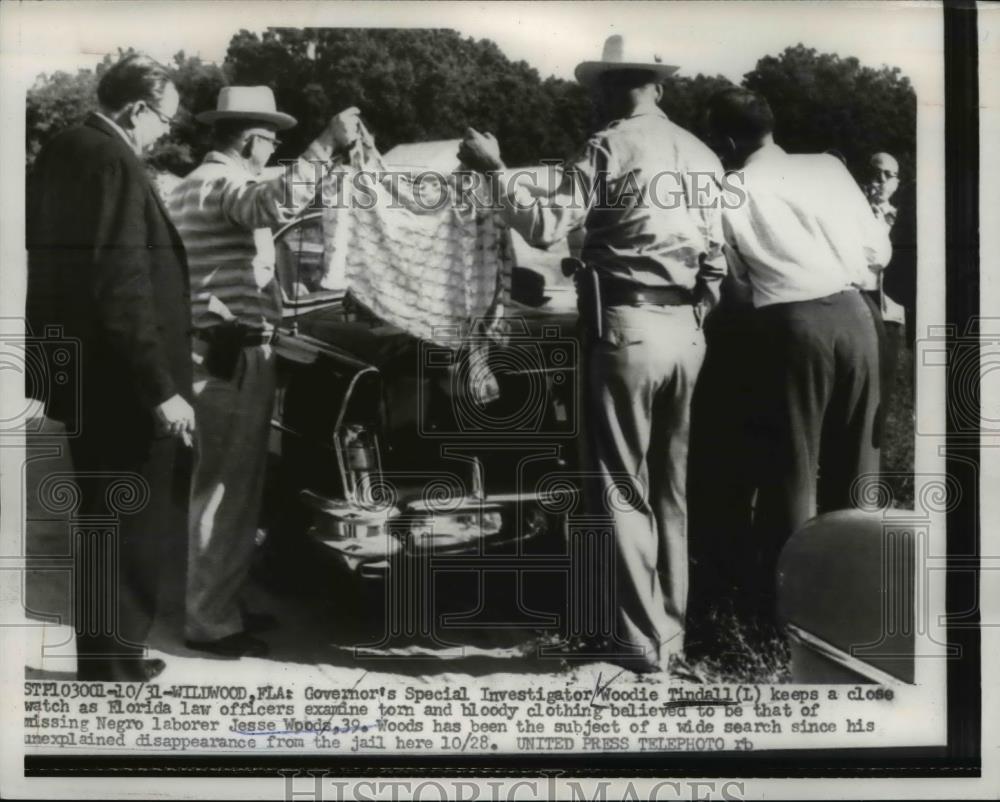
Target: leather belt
{"x":247,"y":336}
{"x":617,"y":295}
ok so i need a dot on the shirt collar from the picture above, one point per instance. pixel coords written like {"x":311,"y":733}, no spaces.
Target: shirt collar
{"x":120,"y":131}
{"x":657,"y":112}
{"x":218,"y":157}
{"x":768,"y":151}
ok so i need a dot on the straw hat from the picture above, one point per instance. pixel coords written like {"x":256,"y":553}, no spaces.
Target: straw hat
{"x":614,"y":57}
{"x":247,"y":103}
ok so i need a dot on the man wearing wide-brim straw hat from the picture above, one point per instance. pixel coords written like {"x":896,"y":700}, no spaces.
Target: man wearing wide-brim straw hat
{"x":652,"y":262}
{"x":225,"y":212}
{"x":614,"y":59}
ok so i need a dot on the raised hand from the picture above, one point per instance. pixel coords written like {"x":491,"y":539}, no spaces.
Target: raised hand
{"x":480,"y":151}
{"x":345,"y":128}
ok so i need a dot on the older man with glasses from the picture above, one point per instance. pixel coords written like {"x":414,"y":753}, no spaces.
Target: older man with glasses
{"x":225,"y":211}
{"x":879,"y":185}
{"x":107,"y":268}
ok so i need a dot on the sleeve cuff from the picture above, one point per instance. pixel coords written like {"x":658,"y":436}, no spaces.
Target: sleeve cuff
{"x":317,"y":152}
{"x":157,"y":388}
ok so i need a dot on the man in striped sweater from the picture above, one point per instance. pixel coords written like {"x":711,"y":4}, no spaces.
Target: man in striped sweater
{"x":225,"y":211}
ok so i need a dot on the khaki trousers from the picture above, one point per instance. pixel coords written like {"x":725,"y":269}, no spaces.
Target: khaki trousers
{"x":233,"y":423}
{"x":639,"y":382}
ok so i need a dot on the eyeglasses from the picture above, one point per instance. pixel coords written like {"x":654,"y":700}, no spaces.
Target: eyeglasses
{"x":273,"y":141}
{"x":168,"y":121}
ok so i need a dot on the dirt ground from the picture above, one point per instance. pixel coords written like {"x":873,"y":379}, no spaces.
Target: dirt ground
{"x":323,"y":634}
{"x":321,"y":623}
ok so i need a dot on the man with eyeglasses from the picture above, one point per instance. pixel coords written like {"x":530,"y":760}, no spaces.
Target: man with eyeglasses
{"x":881,"y":183}
{"x":226,"y":210}
{"x":107,"y":267}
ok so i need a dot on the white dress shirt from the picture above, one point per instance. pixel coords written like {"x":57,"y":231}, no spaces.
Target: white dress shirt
{"x":804,"y":230}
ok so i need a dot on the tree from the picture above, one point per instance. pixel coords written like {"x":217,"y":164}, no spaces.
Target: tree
{"x":684,"y":99}
{"x":421,"y":84}
{"x":822,"y":101}
{"x":56,"y":102}
{"x":411,"y":85}
{"x":198,"y":85}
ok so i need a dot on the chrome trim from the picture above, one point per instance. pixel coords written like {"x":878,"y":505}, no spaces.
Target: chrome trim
{"x":297,"y":221}
{"x":321,"y":347}
{"x":345,"y":511}
{"x":841,"y":658}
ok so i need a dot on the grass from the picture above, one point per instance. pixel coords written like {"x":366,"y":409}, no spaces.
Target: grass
{"x":897,"y":456}
{"x":743,"y":653}
{"x":747,"y":654}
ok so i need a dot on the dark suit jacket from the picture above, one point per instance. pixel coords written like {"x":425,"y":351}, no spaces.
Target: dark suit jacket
{"x":107,"y":265}
{"x":901,"y":272}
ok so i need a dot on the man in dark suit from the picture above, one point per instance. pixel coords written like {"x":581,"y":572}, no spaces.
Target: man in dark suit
{"x":107,"y":267}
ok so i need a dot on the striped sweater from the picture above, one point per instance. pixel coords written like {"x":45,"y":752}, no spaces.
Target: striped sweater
{"x":225,"y":216}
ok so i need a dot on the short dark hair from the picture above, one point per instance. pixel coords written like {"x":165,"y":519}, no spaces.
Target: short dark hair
{"x":135,"y":77}
{"x":627,"y":79}
{"x":740,"y":114}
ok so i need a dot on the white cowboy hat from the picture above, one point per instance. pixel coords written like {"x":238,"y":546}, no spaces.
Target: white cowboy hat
{"x":247,"y":103}
{"x":614,"y":58}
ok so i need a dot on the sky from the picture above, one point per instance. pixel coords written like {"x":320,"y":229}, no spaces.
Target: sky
{"x":710,"y":36}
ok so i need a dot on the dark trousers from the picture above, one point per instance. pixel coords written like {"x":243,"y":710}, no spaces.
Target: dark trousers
{"x":133,"y":509}
{"x":890,"y":339}
{"x":721,"y":480}
{"x":815,"y":419}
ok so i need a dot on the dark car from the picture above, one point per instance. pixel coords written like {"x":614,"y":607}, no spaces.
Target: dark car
{"x":380,"y":454}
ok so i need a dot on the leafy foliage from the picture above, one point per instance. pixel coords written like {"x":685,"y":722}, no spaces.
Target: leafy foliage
{"x":412,"y":85}
{"x":822,"y":101}
{"x":60,"y":100}
{"x":56,"y":102}
{"x":198,"y":84}
{"x":423,"y":84}
{"x":684,"y":99}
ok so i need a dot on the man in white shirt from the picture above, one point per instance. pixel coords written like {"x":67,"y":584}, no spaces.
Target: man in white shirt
{"x":804,"y":240}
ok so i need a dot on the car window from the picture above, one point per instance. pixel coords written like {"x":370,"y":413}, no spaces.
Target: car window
{"x":301,"y":264}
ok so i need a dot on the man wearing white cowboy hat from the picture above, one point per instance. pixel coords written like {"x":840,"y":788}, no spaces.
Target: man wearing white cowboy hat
{"x":643,"y":191}
{"x":225,"y":211}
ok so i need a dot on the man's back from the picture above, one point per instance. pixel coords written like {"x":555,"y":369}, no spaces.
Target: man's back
{"x":647,"y":194}
{"x":804,"y":231}
{"x":658,"y":219}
